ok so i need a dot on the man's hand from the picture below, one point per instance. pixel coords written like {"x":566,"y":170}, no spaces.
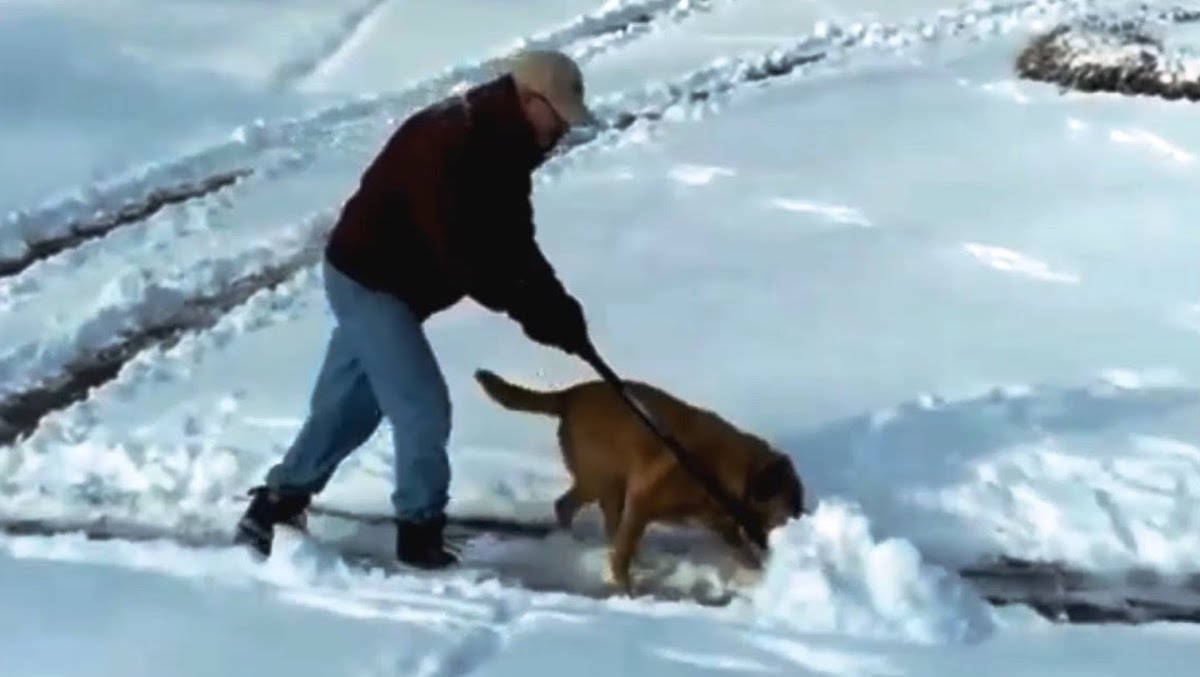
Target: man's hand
{"x":560,"y":323}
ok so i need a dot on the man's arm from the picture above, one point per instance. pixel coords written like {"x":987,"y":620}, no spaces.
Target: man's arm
{"x":504,"y":268}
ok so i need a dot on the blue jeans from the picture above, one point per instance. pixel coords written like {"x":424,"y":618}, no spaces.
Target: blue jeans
{"x":378,"y":363}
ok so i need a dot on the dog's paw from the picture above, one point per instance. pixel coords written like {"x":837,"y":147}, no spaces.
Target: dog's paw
{"x":745,"y":578}
{"x":621,"y":586}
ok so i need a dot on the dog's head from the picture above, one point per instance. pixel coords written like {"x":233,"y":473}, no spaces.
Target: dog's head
{"x":775,"y":491}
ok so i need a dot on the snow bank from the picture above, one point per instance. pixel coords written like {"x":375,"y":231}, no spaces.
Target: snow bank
{"x":1101,"y":475}
{"x":828,"y":574}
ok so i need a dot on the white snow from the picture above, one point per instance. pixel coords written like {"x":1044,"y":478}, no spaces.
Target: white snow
{"x":212,"y":613}
{"x":284,"y":144}
{"x":58,"y":68}
{"x":828,"y":575}
{"x":394,"y":43}
{"x":966,"y":304}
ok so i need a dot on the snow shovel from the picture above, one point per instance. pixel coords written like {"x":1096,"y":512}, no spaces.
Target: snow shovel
{"x":736,"y":509}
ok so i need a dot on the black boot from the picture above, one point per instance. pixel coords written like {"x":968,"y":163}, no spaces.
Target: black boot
{"x":268,"y":508}
{"x":420,"y":544}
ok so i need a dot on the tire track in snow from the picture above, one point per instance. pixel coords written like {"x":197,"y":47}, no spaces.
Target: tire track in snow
{"x":21,"y":413}
{"x":67,"y":306}
{"x":292,"y":141}
{"x":699,"y":91}
{"x":103,"y":222}
{"x":351,"y":26}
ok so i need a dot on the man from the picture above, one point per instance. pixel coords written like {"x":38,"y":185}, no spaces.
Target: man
{"x":442,"y":213}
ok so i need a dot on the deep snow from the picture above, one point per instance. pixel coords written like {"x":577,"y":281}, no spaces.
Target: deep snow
{"x":964,"y":303}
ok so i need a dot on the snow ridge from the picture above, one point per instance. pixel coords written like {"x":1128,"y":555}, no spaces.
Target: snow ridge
{"x":102,"y":223}
{"x":827,"y":574}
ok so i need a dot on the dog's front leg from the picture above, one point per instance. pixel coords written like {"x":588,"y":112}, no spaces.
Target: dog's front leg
{"x":629,"y":534}
{"x":612,"y":507}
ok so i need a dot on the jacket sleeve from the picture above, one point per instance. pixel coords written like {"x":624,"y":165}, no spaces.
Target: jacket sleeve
{"x":493,"y":240}
{"x":479,"y":222}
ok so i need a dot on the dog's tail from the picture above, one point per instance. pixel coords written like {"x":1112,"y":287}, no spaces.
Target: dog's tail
{"x":520,"y":398}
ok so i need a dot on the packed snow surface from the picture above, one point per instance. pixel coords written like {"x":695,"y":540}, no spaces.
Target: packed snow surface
{"x":965,"y":304}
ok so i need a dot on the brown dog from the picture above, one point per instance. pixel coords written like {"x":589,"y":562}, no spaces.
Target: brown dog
{"x":615,"y":460}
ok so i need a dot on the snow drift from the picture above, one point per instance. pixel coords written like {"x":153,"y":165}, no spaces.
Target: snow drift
{"x":827,"y":573}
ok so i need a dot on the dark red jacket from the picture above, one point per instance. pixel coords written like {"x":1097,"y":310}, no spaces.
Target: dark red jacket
{"x":444,"y":212}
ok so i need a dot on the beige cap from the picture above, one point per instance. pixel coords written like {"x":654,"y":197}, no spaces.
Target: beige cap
{"x":557,"y":77}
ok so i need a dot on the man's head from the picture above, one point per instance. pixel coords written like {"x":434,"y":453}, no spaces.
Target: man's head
{"x":550,"y":86}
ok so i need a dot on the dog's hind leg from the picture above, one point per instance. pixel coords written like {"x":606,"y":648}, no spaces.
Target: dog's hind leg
{"x":567,"y":506}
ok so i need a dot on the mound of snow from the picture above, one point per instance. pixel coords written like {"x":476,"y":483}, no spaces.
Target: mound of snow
{"x":827,"y":574}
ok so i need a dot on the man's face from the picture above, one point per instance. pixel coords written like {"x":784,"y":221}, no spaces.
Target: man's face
{"x":548,"y":127}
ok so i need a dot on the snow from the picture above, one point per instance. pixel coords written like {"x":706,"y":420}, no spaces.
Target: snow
{"x":394,"y":44}
{"x":826,"y":575}
{"x":285,"y":144}
{"x":297,"y":616}
{"x":966,"y":305}
{"x":59,"y":68}
{"x":739,"y":28}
